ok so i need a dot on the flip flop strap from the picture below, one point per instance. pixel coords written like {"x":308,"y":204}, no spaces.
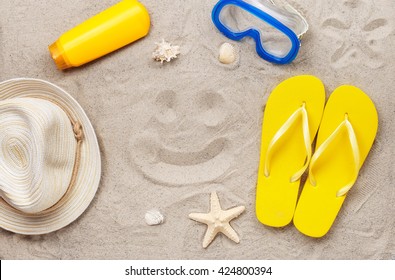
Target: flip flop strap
{"x":355,"y":150}
{"x":283,"y":129}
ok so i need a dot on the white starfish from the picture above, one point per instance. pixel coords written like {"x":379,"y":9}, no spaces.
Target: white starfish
{"x":217,"y":220}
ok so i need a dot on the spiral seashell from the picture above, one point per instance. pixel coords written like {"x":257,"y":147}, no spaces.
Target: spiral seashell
{"x":227,"y":53}
{"x":165,"y":51}
{"x":154,"y":217}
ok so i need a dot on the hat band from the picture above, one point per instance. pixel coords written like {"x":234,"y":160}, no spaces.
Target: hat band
{"x":79,"y":136}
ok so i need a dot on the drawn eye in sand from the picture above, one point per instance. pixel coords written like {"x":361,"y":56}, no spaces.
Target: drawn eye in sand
{"x":188,"y":138}
{"x":356,"y":37}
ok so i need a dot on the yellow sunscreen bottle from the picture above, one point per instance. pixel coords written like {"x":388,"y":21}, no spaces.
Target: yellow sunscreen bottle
{"x":105,"y":32}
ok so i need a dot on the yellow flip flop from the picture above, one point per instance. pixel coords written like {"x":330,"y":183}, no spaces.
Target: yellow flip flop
{"x":292,"y":115}
{"x":346,"y":134}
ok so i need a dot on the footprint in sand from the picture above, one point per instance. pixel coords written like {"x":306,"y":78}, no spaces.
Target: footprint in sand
{"x":40,"y":246}
{"x":356,"y":34}
{"x":188,"y":139}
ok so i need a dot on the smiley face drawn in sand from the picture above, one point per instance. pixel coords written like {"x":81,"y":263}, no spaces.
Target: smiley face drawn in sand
{"x":356,"y":34}
{"x":189,"y":138}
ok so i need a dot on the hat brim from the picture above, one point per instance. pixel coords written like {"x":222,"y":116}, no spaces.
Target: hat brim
{"x":80,"y":195}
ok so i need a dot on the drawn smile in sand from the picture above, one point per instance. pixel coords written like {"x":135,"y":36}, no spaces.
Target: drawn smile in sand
{"x":368,"y":33}
{"x":188,"y":140}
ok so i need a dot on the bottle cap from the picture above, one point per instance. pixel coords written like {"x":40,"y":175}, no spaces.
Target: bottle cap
{"x":58,"y":56}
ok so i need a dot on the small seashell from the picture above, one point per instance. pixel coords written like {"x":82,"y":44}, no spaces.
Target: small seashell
{"x":165,"y":51}
{"x":227,"y":53}
{"x":154,"y":217}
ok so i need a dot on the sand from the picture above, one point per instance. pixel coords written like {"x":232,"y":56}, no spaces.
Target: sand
{"x":170,"y":134}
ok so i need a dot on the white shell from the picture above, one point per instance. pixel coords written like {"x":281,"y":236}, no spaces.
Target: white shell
{"x":154,"y":217}
{"x":165,"y":51}
{"x":227,"y":53}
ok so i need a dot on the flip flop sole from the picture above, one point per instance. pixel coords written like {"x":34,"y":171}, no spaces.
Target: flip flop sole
{"x":319,"y":205}
{"x":276,"y":196}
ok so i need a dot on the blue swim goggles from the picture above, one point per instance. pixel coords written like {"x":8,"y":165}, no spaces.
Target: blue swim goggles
{"x":276,"y":31}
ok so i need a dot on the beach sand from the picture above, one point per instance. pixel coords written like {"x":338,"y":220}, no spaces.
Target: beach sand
{"x":170,"y":134}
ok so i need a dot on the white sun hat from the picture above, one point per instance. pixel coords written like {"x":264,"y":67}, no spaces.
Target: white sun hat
{"x":49,"y":157}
